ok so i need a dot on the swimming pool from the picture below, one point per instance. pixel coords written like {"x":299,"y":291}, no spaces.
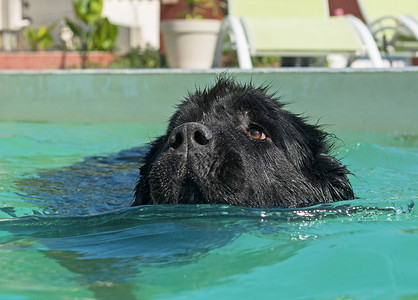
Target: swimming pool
{"x":65,"y":231}
{"x":70,"y":145}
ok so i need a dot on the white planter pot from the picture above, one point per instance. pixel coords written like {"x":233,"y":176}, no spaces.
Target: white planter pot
{"x":190,"y":43}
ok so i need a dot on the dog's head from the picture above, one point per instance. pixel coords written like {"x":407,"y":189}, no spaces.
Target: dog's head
{"x":235,"y":144}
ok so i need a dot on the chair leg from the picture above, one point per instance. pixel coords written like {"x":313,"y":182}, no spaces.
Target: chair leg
{"x":350,"y":60}
{"x":220,"y":43}
{"x":243,"y":48}
{"x":368,"y":41}
{"x":409,"y":23}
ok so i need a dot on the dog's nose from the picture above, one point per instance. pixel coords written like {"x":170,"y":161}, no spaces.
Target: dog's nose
{"x":189,"y":136}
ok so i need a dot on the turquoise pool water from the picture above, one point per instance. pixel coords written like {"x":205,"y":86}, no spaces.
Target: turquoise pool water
{"x":65,"y":231}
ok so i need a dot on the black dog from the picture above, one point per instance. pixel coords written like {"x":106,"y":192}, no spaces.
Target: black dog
{"x":235,"y":144}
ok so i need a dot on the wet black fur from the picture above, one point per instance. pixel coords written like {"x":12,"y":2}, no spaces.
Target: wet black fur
{"x":292,"y":167}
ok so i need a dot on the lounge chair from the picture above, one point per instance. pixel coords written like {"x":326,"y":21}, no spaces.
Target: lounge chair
{"x":292,"y":28}
{"x":394,"y":24}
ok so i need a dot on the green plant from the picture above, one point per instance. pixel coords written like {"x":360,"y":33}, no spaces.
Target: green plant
{"x":230,"y":60}
{"x":105,"y":35}
{"x":92,"y":32}
{"x":38,"y":38}
{"x":138,"y":58}
{"x":195,"y":8}
{"x":266,"y":61}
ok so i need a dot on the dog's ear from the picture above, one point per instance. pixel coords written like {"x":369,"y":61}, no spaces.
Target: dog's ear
{"x":142,"y":195}
{"x":326,"y":173}
{"x":333,"y":178}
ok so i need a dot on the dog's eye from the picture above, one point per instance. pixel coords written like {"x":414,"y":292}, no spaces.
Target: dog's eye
{"x":256,"y":133}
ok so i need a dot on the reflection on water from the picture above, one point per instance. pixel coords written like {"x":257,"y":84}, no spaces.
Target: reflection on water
{"x":147,"y":251}
{"x":95,"y":185}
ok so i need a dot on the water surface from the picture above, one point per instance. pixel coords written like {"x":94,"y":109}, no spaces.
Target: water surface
{"x":66,"y":230}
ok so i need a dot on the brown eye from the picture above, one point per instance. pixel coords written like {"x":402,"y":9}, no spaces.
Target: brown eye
{"x":256,"y":134}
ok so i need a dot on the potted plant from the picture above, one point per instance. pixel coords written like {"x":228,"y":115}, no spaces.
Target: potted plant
{"x":92,"y":32}
{"x":190,"y":42}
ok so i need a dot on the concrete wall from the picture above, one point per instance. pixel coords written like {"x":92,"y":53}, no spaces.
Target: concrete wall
{"x":367,"y":100}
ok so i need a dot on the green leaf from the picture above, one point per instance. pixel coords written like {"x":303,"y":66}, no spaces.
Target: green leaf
{"x":105,"y":35}
{"x":89,"y":11}
{"x":39,"y":38}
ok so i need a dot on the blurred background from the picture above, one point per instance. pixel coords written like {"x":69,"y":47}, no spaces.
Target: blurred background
{"x":60,"y":34}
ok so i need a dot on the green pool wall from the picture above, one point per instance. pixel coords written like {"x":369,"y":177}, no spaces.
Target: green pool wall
{"x":384,"y":100}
